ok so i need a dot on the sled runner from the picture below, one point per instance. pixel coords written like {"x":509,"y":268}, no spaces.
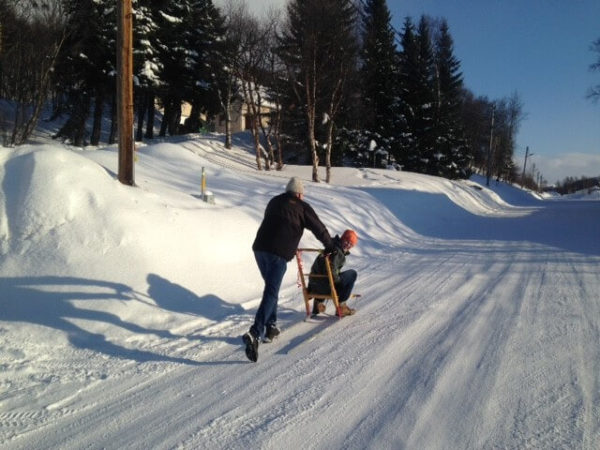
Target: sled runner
{"x":302,"y":277}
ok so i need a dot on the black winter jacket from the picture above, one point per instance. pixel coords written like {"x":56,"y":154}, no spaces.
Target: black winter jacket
{"x":286,"y":217}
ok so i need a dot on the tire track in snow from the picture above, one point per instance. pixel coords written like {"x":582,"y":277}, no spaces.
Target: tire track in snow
{"x":436,"y":346}
{"x":588,"y":368}
{"x":535,"y":401}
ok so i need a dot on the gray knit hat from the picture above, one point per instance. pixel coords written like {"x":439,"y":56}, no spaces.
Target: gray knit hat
{"x":295,"y":186}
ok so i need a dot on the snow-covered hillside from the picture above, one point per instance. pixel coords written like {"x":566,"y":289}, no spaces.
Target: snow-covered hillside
{"x":121,"y":310}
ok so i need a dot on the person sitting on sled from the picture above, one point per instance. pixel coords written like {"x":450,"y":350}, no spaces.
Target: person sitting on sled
{"x":343,"y":280}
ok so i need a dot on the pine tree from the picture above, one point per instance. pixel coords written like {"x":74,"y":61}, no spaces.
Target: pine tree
{"x":451,"y":152}
{"x":88,"y":64}
{"x":432,"y":92}
{"x":380,"y":93}
{"x":406,"y":153}
{"x":378,"y":69}
{"x":174,"y":56}
{"x":147,"y":67}
{"x":424,"y":86}
{"x":205,"y":44}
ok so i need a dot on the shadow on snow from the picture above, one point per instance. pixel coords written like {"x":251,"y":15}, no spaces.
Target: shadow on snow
{"x":48,"y":301}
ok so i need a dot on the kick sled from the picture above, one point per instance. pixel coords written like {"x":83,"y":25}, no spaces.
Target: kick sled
{"x":303,"y":277}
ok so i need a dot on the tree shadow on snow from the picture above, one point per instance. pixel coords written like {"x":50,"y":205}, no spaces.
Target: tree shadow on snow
{"x":47,"y":301}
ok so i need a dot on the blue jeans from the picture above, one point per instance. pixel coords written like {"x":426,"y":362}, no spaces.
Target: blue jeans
{"x":272,"y":268}
{"x":345,"y":284}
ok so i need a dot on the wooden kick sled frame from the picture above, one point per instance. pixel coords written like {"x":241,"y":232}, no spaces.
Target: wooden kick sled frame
{"x":304,"y":276}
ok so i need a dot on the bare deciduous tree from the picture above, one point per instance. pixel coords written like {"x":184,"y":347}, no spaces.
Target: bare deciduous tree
{"x":234,"y":11}
{"x":594,"y":92}
{"x":253,"y":70}
{"x":319,"y":49}
{"x":248,"y":73}
{"x":32,"y":40}
{"x":272,"y":79}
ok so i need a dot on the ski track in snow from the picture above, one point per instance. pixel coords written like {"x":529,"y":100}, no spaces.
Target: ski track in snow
{"x":456,"y":344}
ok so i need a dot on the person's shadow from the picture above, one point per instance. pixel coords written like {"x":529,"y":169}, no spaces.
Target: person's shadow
{"x":176,"y":298}
{"x":46,"y":301}
{"x":173,"y":297}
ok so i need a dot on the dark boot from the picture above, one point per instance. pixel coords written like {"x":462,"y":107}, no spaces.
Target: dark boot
{"x":318,"y":306}
{"x":251,"y":342}
{"x":272,"y":333}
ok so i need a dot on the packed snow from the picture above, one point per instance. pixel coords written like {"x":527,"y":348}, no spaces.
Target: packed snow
{"x":122,"y":309}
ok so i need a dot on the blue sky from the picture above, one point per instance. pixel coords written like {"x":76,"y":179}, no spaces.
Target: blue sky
{"x":537,"y":48}
{"x":540,"y":49}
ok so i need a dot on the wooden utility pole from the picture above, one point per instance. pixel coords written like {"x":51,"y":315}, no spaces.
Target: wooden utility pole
{"x":488,"y":171}
{"x":125,"y":90}
{"x":527,"y":155}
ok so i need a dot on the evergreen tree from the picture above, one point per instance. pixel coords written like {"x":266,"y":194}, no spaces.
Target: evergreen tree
{"x":424,"y":100}
{"x":378,"y":68}
{"x":87,"y":66}
{"x":174,"y":56}
{"x":189,"y":36}
{"x":379,"y":76}
{"x":451,"y":152}
{"x":431,"y":82}
{"x":206,"y":46}
{"x":147,"y":67}
{"x":406,"y":153}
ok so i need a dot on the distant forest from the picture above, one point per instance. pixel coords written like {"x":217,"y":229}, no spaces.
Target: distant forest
{"x":570,"y":185}
{"x":342,"y":85}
